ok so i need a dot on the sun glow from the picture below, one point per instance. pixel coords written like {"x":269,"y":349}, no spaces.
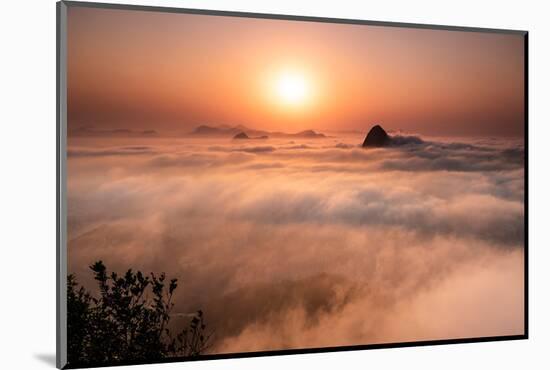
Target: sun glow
{"x":292,"y":88}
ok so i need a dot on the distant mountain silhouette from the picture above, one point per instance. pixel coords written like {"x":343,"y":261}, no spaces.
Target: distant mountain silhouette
{"x":309,"y":133}
{"x":209,"y":130}
{"x":241,"y":136}
{"x":205,"y":130}
{"x":92,"y":131}
{"x":225,"y":130}
{"x":377,"y":137}
{"x":244,"y":136}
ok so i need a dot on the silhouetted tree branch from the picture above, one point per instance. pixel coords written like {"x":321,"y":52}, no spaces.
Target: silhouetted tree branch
{"x":123,"y":324}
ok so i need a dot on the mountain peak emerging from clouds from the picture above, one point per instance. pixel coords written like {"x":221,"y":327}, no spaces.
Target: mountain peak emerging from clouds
{"x":377,"y":137}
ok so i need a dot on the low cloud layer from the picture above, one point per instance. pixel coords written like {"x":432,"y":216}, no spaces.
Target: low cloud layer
{"x":294,"y":244}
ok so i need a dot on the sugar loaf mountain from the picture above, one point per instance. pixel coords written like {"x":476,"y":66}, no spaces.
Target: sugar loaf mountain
{"x":376,"y":138}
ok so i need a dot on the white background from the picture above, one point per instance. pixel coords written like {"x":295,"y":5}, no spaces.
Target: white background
{"x":27,"y":183}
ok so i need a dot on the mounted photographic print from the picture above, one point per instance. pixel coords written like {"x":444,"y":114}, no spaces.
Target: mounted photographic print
{"x":236,"y":184}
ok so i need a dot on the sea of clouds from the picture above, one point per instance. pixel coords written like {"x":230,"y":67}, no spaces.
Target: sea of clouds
{"x":311,"y":243}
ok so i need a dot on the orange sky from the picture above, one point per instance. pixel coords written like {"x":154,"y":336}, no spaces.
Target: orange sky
{"x":172,"y":72}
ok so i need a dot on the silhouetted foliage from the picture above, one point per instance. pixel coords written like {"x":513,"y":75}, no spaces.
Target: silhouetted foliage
{"x":123,"y":324}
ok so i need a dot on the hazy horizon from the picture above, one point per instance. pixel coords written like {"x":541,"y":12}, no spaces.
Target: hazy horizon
{"x":128,"y":131}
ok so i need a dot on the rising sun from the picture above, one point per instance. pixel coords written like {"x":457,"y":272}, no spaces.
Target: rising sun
{"x":292,"y":88}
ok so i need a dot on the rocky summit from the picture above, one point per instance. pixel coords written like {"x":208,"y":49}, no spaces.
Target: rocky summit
{"x":377,"y":137}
